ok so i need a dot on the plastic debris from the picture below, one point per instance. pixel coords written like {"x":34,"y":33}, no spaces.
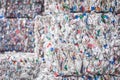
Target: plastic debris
{"x":72,"y":39}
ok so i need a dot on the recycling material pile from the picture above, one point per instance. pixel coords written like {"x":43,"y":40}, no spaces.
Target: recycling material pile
{"x":19,"y":67}
{"x":17,"y":24}
{"x":21,"y":8}
{"x":17,"y":35}
{"x":70,"y":40}
{"x":70,"y":47}
{"x":77,"y":45}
